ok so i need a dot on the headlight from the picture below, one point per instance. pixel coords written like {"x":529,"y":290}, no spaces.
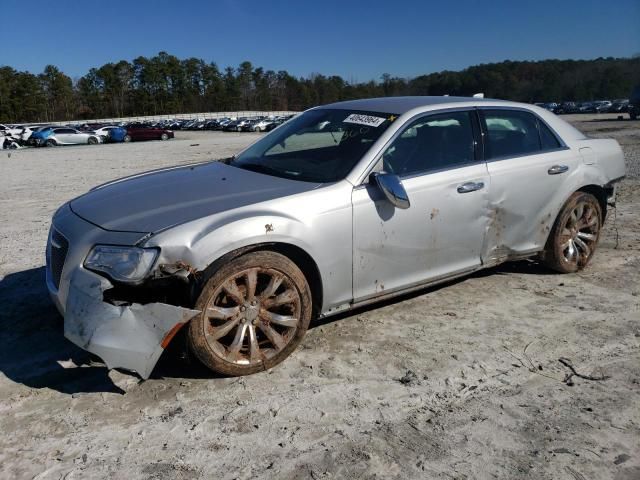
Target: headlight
{"x":124,"y":264}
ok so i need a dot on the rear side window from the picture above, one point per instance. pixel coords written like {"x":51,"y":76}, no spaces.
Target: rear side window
{"x":510,"y":133}
{"x":547,"y":138}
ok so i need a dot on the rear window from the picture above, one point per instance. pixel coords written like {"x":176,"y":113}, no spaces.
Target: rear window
{"x":547,"y":138}
{"x":512,"y":133}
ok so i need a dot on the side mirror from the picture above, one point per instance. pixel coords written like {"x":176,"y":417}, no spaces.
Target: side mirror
{"x":392,"y":188}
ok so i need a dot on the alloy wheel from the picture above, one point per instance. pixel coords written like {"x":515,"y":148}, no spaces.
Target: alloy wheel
{"x":252,"y":316}
{"x":579,"y":235}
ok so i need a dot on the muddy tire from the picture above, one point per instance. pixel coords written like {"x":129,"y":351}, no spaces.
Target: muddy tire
{"x":255,"y":312}
{"x":575,"y":234}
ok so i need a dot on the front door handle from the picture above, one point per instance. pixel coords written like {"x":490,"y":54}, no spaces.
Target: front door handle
{"x":470,"y":187}
{"x":557,"y":169}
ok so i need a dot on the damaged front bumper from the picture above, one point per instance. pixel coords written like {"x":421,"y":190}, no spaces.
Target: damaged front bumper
{"x":131,"y":336}
{"x":127,"y":335}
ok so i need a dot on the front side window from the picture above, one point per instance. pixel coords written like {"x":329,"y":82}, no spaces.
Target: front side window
{"x":320,"y":145}
{"x":510,"y":133}
{"x":431,"y":143}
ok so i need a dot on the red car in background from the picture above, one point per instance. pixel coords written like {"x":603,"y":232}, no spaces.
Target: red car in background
{"x":140,"y":131}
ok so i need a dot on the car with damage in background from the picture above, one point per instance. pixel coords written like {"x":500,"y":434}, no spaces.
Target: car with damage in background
{"x":344,"y":205}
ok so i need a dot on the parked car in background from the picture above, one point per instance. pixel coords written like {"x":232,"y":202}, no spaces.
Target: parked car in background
{"x":26,"y":133}
{"x":54,"y":136}
{"x":275,"y":123}
{"x":602,"y":106}
{"x":10,"y":130}
{"x":111,"y":134}
{"x":634,"y":103}
{"x":236,"y":125}
{"x":619,"y":106}
{"x":139,"y":131}
{"x":345,"y":205}
{"x":262,"y":125}
{"x":249,"y":126}
{"x":223,"y":122}
{"x":567,"y":107}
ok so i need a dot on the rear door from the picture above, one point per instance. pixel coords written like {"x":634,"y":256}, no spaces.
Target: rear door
{"x":78,"y":137}
{"x":528,"y":164}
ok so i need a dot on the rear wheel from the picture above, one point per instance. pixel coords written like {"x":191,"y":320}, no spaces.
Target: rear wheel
{"x":255,"y":312}
{"x":575,"y":234}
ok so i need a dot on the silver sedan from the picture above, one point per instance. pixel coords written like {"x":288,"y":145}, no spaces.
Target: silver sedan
{"x":68,"y":136}
{"x":344,"y":205}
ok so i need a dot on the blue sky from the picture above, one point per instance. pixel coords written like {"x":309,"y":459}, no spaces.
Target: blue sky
{"x":358,"y":40}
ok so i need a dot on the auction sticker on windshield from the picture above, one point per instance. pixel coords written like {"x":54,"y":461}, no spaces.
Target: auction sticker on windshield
{"x":368,"y":120}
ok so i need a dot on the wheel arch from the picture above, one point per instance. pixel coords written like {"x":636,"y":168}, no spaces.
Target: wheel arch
{"x":601,"y":193}
{"x":301,"y":258}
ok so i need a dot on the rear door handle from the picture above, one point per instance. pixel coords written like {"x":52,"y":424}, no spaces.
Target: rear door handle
{"x":557,"y":169}
{"x":470,"y":187}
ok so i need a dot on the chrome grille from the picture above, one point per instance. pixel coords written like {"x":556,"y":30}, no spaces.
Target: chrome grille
{"x":57,"y":255}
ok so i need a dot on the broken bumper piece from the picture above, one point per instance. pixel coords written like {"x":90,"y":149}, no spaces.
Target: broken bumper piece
{"x":131,"y":337}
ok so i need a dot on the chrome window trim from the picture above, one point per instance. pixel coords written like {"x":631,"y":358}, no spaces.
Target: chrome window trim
{"x":364,"y":181}
{"x":539,"y":152}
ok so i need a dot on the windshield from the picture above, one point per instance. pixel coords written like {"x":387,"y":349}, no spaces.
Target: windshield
{"x":317,"y":146}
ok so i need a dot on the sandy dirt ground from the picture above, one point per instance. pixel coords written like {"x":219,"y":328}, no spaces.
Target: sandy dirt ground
{"x":456,"y":382}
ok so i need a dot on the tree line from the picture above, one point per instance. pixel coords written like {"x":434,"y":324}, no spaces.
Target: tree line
{"x":165,"y":84}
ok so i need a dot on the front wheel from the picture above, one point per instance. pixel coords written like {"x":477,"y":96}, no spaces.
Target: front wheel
{"x":575,"y":233}
{"x":51,"y":143}
{"x":127,"y":138}
{"x":164,"y":136}
{"x":255,"y":312}
{"x":93,"y":141}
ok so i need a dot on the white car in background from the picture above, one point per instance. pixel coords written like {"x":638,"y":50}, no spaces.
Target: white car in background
{"x":66,"y":136}
{"x":104,"y":132}
{"x":10,"y":130}
{"x":27,"y":131}
{"x":262,"y":125}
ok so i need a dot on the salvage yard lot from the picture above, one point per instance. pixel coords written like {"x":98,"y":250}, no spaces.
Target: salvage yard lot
{"x":459,"y":381}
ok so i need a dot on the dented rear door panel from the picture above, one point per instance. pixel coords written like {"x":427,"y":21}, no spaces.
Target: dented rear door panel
{"x":524,"y":201}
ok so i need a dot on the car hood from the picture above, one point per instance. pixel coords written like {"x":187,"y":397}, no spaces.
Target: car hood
{"x":160,"y":199}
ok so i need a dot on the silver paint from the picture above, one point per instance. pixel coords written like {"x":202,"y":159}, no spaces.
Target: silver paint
{"x":364,"y":247}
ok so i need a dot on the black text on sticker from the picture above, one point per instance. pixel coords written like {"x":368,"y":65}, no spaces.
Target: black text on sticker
{"x":364,"y":120}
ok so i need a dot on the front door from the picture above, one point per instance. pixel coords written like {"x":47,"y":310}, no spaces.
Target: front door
{"x":442,"y":231}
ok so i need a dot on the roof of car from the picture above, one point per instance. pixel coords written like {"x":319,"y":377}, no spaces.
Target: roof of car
{"x":400,"y":105}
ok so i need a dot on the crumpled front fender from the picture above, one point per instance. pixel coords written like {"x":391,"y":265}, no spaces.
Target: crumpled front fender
{"x":130,"y":337}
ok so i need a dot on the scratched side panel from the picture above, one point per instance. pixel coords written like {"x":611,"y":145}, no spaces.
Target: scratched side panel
{"x":524,"y":201}
{"x":318,"y":222}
